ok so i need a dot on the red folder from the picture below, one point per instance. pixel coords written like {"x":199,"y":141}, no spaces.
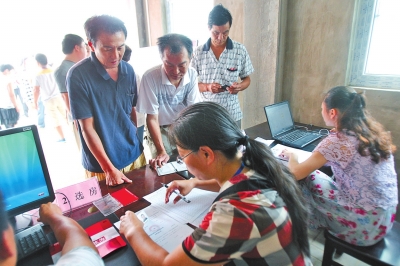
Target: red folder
{"x":124,"y":196}
{"x":105,"y":237}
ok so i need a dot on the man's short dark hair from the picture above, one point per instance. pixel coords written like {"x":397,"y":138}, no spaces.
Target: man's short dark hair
{"x":6,"y":67}
{"x":3,"y":217}
{"x":41,"y":59}
{"x":69,"y":42}
{"x":219,"y":16}
{"x":175,"y":42}
{"x":104,"y":23}
{"x":127,"y":55}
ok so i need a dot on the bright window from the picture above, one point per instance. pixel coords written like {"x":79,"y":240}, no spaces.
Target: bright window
{"x":189,"y":17}
{"x":29,"y":27}
{"x":375,"y":54}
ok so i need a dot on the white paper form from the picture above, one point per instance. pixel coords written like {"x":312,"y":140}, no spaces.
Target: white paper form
{"x":200,"y":201}
{"x":170,"y":168}
{"x":267,"y":142}
{"x":163,"y":230}
{"x":303,"y":155}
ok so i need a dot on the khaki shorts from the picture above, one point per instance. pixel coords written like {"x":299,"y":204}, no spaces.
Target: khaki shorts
{"x":138,"y":163}
{"x":55,"y":109}
{"x":164,"y":137}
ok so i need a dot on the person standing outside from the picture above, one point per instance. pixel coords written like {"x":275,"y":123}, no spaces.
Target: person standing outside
{"x":165,"y":90}
{"x":103,"y":93}
{"x":46,"y":87}
{"x":74,"y":48}
{"x":220,"y":62}
{"x":9,"y":111}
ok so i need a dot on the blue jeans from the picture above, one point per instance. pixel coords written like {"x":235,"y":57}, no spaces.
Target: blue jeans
{"x":140,"y":132}
{"x":40,"y":113}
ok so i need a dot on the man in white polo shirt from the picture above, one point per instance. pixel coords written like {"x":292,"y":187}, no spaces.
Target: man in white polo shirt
{"x":165,"y":90}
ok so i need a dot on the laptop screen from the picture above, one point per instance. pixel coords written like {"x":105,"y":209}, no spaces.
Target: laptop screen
{"x":279,"y":118}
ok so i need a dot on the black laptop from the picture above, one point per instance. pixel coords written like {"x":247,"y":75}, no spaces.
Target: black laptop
{"x":282,"y":127}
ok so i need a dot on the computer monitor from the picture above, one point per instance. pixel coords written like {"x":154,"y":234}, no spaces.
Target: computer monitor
{"x":24,"y":178}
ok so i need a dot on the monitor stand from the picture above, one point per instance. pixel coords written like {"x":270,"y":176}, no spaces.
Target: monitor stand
{"x":21,"y":222}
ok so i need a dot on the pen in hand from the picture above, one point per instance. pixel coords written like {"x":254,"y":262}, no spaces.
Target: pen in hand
{"x":177,"y":193}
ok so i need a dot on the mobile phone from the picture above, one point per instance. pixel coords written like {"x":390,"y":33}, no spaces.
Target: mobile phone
{"x":225,"y":87}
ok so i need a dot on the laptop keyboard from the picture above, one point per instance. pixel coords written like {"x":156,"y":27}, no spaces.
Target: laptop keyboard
{"x":293,"y":136}
{"x":30,"y":240}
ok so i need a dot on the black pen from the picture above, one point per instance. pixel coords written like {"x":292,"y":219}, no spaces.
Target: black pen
{"x":177,"y":193}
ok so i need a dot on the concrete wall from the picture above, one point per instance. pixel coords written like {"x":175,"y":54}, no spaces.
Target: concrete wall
{"x":258,"y":23}
{"x":315,"y":38}
{"x":317,"y":44}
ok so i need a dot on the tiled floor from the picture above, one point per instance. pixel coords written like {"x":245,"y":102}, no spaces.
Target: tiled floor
{"x":63,"y":162}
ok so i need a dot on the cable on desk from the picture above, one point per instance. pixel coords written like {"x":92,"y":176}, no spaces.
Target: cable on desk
{"x":324,"y":132}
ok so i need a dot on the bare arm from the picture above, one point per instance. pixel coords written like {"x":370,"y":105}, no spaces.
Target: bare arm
{"x":147,"y":251}
{"x":134,"y":116}
{"x":236,"y":87}
{"x":302,"y":170}
{"x":113,"y":175}
{"x":154,"y":129}
{"x":36,"y":93}
{"x":65,"y":97}
{"x":210,"y":87}
{"x":68,"y":232}
{"x":12,"y":96}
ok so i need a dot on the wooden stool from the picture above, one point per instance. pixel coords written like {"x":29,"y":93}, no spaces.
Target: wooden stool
{"x":385,"y":252}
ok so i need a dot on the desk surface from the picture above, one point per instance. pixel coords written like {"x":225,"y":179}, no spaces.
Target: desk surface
{"x":144,"y":181}
{"x":262,"y":131}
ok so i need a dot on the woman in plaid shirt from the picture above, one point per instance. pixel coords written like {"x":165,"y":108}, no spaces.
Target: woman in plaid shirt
{"x":259,"y":217}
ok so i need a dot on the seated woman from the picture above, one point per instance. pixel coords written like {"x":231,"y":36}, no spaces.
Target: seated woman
{"x":357,"y":204}
{"x":258,"y":218}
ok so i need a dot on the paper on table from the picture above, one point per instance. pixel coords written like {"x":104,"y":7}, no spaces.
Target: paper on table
{"x":170,"y":168}
{"x":163,"y":230}
{"x":200,"y":200}
{"x":303,"y":155}
{"x":267,"y":142}
{"x":200,"y":218}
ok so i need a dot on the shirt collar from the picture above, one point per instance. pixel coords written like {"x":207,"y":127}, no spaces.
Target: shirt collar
{"x":207,"y":45}
{"x":185,"y":80}
{"x":122,"y":69}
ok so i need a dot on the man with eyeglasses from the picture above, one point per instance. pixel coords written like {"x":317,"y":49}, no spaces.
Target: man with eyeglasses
{"x":220,"y":62}
{"x":165,"y":90}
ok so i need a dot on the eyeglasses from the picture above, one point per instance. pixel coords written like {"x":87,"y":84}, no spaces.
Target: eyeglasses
{"x":179,"y":159}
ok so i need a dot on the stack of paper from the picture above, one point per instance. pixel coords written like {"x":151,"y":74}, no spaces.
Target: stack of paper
{"x":170,"y":168}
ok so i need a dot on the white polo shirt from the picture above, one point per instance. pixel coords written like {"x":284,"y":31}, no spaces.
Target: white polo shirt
{"x":159,"y":96}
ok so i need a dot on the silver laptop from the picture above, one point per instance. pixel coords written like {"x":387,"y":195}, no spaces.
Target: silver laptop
{"x":282,"y":127}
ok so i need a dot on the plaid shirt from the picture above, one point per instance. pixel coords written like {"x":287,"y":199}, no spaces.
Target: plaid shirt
{"x":234,"y":62}
{"x":246,"y":225}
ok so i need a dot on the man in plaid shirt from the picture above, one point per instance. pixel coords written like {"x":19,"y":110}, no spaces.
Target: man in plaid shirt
{"x":220,"y":62}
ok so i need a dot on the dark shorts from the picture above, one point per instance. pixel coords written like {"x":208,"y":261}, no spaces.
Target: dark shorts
{"x":9,"y":117}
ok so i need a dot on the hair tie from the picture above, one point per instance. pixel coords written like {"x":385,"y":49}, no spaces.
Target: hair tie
{"x":243,"y":140}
